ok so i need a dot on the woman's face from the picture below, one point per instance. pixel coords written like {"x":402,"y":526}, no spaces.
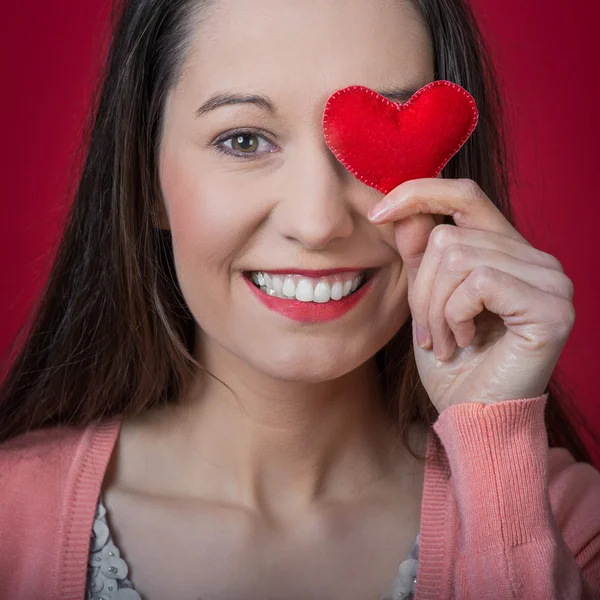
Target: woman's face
{"x":287,"y":203}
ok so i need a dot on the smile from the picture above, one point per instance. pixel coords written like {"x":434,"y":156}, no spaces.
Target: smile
{"x":328,"y":288}
{"x":310,"y":299}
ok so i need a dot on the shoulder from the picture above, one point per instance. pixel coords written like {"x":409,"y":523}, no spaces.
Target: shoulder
{"x":35,"y":468}
{"x":40,"y":470}
{"x":50,"y":480}
{"x":32,"y":458}
{"x":574,"y":490}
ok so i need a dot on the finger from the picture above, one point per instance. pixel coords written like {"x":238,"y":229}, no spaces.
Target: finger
{"x":413,"y":233}
{"x":536,"y":316}
{"x":458,"y":262}
{"x":444,"y":237}
{"x":462,"y":199}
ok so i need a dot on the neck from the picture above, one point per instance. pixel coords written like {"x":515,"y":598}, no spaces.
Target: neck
{"x":276,"y":446}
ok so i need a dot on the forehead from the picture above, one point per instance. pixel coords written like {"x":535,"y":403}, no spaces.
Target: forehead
{"x":300,"y":49}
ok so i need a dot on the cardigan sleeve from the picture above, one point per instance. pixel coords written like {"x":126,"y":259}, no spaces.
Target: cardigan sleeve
{"x":529,"y":516}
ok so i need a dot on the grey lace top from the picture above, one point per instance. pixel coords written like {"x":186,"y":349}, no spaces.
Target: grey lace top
{"x":107,"y":570}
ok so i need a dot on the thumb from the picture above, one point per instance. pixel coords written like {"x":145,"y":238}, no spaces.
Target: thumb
{"x":411,"y":235}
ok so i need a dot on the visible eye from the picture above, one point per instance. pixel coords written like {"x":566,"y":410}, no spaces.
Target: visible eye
{"x":244,"y":144}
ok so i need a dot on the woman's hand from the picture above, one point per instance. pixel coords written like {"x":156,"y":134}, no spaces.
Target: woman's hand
{"x":480,"y":285}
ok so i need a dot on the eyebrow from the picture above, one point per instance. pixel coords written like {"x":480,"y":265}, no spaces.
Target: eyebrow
{"x":395,"y":94}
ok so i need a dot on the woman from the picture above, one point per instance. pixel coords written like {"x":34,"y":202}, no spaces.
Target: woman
{"x":167,"y":435}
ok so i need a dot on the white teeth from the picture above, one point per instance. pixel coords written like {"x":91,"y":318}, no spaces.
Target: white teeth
{"x":337,"y":290}
{"x":307,"y":289}
{"x":322,"y":292}
{"x":289,"y":289}
{"x":304,"y":290}
{"x":278,"y":284}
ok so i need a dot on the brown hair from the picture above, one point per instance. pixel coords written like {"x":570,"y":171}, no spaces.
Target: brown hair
{"x":112,"y":334}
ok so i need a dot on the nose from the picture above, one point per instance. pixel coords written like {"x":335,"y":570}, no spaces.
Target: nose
{"x":315,"y":206}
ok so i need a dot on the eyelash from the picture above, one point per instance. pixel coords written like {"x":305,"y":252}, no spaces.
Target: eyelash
{"x":218,"y":147}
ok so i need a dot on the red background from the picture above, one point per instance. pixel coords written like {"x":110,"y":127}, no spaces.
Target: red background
{"x":547,"y":58}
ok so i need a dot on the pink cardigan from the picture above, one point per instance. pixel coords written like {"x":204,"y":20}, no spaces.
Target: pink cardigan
{"x":502,"y":516}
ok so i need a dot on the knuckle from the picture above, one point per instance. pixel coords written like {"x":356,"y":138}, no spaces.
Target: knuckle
{"x":566,"y":315}
{"x":553,"y":262}
{"x":480,"y":278}
{"x":560,"y":285}
{"x":404,"y":192}
{"x":454,"y":314}
{"x":571,"y":315}
{"x":436,"y":318}
{"x":558,"y":323}
{"x":456,"y":257}
{"x":451,"y":317}
{"x":442,"y":236}
{"x":567,"y":287}
{"x":561,"y":323}
{"x":469,"y":187}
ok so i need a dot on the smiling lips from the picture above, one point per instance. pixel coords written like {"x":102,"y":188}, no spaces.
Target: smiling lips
{"x":305,"y":298}
{"x":308,"y":289}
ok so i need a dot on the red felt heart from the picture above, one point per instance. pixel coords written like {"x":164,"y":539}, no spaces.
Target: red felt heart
{"x":385,"y":143}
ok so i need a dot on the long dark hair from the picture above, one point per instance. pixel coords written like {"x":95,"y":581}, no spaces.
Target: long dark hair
{"x":112,"y":334}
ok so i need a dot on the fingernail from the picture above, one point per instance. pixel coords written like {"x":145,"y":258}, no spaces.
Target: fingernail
{"x":378,"y":211}
{"x":422,"y":337}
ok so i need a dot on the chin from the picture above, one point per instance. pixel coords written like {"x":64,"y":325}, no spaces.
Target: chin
{"x":293,"y":361}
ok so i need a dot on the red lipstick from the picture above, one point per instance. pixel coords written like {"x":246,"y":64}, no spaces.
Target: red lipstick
{"x":310,"y":312}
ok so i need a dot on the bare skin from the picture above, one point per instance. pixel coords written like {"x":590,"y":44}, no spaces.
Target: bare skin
{"x":299,"y":488}
{"x":185,"y":545}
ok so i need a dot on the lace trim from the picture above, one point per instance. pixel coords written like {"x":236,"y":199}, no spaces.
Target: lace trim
{"x":405,"y":584}
{"x":107,"y":571}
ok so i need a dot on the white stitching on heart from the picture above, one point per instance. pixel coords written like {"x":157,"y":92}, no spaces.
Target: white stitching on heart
{"x":401,"y":107}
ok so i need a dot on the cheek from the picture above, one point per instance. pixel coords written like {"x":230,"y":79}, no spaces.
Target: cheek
{"x":209,"y":220}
